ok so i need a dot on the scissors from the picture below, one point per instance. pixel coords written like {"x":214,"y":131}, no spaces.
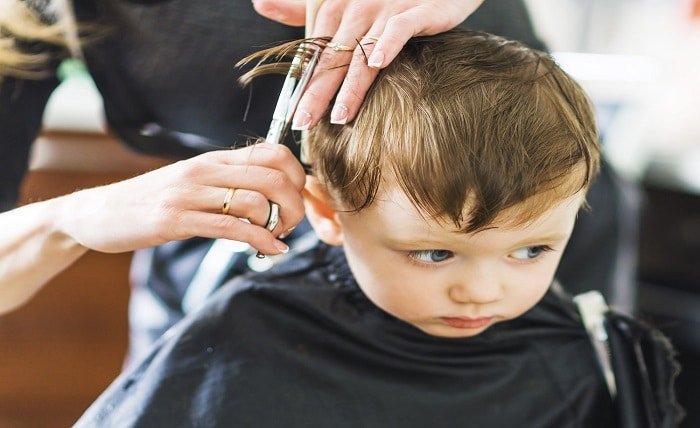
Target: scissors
{"x":295,"y":83}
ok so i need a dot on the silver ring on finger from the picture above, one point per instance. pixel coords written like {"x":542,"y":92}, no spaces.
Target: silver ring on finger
{"x":274,"y":218}
{"x":272,"y":222}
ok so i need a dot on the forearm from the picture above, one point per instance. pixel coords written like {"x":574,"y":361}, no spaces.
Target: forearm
{"x":32,"y":250}
{"x":178,"y":201}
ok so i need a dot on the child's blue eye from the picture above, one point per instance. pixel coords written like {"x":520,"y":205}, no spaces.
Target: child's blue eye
{"x":431,"y":256}
{"x":529,"y":253}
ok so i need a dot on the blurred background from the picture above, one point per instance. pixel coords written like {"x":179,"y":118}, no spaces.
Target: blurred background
{"x":639,"y":61}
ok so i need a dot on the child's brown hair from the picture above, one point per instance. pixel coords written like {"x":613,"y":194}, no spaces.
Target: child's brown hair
{"x":463,"y":120}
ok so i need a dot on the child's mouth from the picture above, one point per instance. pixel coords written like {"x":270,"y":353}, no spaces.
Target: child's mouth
{"x":464,"y":322}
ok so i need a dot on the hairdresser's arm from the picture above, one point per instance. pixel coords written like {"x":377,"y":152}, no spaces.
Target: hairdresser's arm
{"x":348,"y":21}
{"x":175,"y":202}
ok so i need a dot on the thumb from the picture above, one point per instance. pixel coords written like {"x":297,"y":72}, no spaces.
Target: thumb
{"x":288,"y":12}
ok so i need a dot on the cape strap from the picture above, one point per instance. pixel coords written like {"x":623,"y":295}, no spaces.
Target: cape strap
{"x":592,"y":307}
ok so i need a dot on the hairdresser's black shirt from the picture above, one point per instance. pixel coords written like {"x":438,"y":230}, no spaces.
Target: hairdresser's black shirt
{"x":301,"y":346}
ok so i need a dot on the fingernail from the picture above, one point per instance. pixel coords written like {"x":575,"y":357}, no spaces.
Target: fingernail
{"x":286,"y":232}
{"x":302,"y":120}
{"x":281,"y":246}
{"x":376,"y":59}
{"x":339,"y":115}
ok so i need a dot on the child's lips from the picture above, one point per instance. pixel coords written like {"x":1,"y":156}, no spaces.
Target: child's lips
{"x":465,"y":322}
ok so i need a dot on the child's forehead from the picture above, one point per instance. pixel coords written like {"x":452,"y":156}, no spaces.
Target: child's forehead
{"x":395,"y":210}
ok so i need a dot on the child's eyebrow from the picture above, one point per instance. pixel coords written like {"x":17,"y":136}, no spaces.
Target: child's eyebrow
{"x":413,"y":243}
{"x":543,"y":239}
{"x":427,"y":242}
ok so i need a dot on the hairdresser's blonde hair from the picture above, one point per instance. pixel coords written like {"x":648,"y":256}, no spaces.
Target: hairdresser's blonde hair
{"x":464,"y":119}
{"x":21,"y":24}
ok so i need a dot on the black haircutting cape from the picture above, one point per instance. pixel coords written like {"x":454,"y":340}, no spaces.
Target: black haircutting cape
{"x":301,"y":346}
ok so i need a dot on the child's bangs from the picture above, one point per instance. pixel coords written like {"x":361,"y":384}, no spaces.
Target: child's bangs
{"x":448,"y":190}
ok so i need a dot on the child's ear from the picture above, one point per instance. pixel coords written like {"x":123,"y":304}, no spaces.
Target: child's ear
{"x":321,"y":214}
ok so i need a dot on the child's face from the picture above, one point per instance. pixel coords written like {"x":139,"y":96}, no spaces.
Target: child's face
{"x":443,"y":281}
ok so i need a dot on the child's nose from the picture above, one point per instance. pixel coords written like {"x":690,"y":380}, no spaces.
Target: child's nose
{"x":477,"y":286}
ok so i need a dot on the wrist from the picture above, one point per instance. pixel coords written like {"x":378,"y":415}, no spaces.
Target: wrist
{"x":63,"y":217}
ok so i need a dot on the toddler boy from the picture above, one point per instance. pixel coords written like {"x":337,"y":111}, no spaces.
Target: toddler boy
{"x":443,"y":209}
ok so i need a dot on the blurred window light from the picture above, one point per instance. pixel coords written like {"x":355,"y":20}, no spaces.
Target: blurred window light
{"x":607,"y":67}
{"x":611,"y":79}
{"x":618,"y":86}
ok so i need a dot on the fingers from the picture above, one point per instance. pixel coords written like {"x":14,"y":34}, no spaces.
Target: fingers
{"x":256,"y":208}
{"x":273,"y":156}
{"x":254,"y":187}
{"x":393,"y":23}
{"x":288,"y":12}
{"x":328,"y":17}
{"x":329,"y":75}
{"x":259,"y":174}
{"x":347,"y":21}
{"x":357,"y":82}
{"x":250,"y":199}
{"x":397,"y":31}
{"x":195,"y":223}
{"x":250,"y":205}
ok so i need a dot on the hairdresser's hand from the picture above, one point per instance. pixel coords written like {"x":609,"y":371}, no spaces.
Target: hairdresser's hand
{"x":382,"y":27}
{"x":185,"y":199}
